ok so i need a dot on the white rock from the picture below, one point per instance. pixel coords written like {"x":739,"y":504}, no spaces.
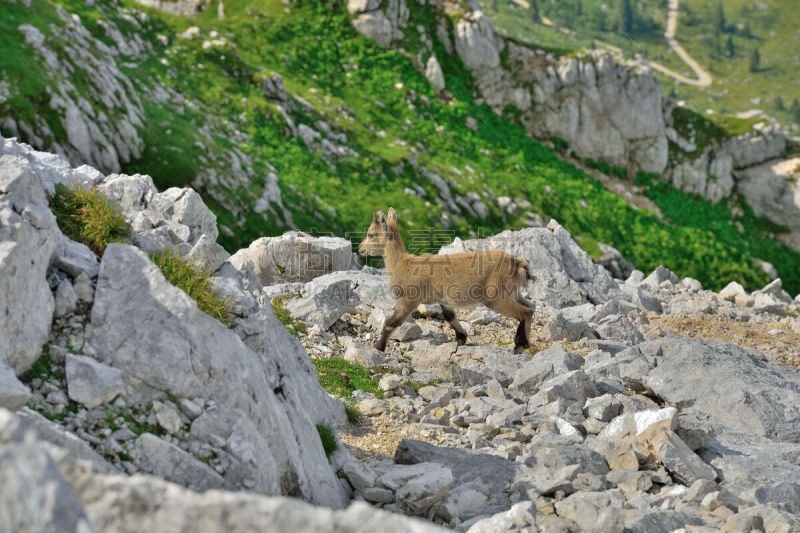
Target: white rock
{"x":433,"y":73}
{"x":66,"y":299}
{"x":28,"y":236}
{"x":167,"y":416}
{"x":390,"y":382}
{"x":13,"y":393}
{"x":641,"y":421}
{"x":90,"y":382}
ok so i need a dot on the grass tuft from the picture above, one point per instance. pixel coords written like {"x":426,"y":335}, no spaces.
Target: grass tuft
{"x":295,"y":327}
{"x":341,"y":378}
{"x":354,"y":416}
{"x":194,"y":282}
{"x":328,"y":438}
{"x":86,"y":216}
{"x":41,"y":367}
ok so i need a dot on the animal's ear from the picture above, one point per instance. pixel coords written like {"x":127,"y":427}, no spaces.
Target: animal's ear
{"x":392,"y":215}
{"x":378,"y":216}
{"x":385,"y":225}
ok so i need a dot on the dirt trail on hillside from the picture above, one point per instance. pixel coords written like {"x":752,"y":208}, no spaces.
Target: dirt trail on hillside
{"x":703,"y":78}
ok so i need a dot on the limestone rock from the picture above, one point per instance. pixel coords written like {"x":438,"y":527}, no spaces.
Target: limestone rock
{"x":747,"y":393}
{"x":771,"y":191}
{"x":564,"y":274}
{"x":73,"y":258}
{"x":13,"y":393}
{"x":418,"y":493}
{"x":297,"y":256}
{"x":366,"y":356}
{"x":545,"y":365}
{"x":90,"y":382}
{"x":677,"y":457}
{"x":322,"y":303}
{"x":433,"y":73}
{"x":36,"y":496}
{"x":66,"y":300}
{"x":169,"y":462}
{"x":28,"y":236}
{"x":167,"y":416}
{"x":144,"y":325}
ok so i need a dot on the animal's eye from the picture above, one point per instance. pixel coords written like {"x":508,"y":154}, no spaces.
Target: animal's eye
{"x":370,"y":235}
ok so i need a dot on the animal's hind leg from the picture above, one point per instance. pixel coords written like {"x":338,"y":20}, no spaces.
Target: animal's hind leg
{"x":450,"y":315}
{"x":523,"y":313}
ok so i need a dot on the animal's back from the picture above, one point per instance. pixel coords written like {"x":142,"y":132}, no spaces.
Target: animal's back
{"x":463,"y":279}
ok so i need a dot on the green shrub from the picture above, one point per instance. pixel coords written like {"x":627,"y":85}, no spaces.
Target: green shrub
{"x":295,"y":327}
{"x":194,"y":282}
{"x":328,"y":439}
{"x":341,"y":378}
{"x":86,"y":216}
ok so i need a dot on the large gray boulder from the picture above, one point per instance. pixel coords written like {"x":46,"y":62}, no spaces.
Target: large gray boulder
{"x":324,"y":299}
{"x":727,"y":385}
{"x":476,"y":43}
{"x":467,"y":365}
{"x":297,"y":256}
{"x":47,"y":488}
{"x":284,"y":354}
{"x":28,"y":236}
{"x":160,"y":458}
{"x":141,"y":504}
{"x":35,"y":496}
{"x":382,"y":24}
{"x":163,"y":344}
{"x":772,"y":191}
{"x":493,"y":474}
{"x":322,"y":303}
{"x":543,"y":366}
{"x":748,"y":462}
{"x":14,"y":427}
{"x":564,"y":274}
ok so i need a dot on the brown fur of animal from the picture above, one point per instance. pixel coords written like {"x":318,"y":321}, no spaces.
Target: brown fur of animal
{"x":491,"y":277}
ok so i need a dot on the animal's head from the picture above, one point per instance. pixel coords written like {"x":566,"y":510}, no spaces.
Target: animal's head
{"x":379,"y":233}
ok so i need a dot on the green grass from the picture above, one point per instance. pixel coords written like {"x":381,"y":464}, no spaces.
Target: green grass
{"x":87,"y":216}
{"x":328,"y":439}
{"x":41,"y":368}
{"x":341,"y":378}
{"x":295,"y":327}
{"x":194,"y":282}
{"x":354,"y":416}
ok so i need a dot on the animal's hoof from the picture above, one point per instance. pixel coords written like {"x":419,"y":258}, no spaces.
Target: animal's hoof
{"x":380,"y":346}
{"x":461,"y":341}
{"x":520,"y":348}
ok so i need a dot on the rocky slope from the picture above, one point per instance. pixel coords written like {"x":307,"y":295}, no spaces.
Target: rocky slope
{"x":139,"y":412}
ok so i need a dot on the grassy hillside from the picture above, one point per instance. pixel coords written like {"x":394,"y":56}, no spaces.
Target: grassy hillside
{"x":723,"y":46}
{"x":398,"y":128}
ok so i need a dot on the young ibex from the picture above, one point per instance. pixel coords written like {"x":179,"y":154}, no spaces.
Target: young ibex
{"x":490,"y":277}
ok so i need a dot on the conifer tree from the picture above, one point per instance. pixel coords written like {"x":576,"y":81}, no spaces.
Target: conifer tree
{"x":719,"y":18}
{"x":623,"y":17}
{"x":534,"y":10}
{"x":755,"y":60}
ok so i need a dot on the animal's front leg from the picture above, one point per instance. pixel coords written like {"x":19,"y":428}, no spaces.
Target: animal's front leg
{"x":399,"y":316}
